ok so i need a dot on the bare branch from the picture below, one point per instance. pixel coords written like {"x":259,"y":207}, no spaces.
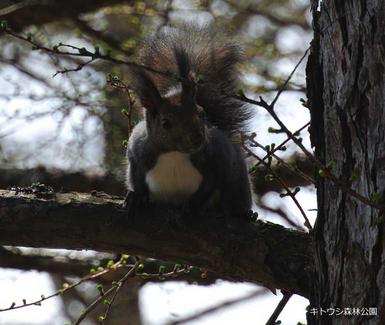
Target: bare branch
{"x":222,"y":305}
{"x":285,"y":299}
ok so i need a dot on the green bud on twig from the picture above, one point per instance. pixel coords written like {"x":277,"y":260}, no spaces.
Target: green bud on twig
{"x":3,"y":25}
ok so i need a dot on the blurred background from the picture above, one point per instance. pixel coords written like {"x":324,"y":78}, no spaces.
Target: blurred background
{"x":67,"y":130}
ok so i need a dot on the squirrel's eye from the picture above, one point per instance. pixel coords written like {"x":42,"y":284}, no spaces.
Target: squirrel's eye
{"x":166,"y":124}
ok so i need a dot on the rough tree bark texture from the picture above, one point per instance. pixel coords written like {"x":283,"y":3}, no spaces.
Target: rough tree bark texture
{"x":233,"y":249}
{"x":346,"y":88}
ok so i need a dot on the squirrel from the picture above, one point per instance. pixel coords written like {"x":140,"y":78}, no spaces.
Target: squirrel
{"x":183,"y":152}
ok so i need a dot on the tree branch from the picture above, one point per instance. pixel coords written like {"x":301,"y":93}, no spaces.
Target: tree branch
{"x":236,"y":250}
{"x":42,"y":12}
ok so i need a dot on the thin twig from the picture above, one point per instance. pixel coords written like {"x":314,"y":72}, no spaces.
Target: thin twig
{"x":292,"y":168}
{"x":280,"y":146}
{"x":61,"y":291}
{"x":279,"y":179}
{"x":81,"y":52}
{"x":107,"y":293}
{"x":289,"y":77}
{"x":326,"y":172}
{"x":273,"y":318}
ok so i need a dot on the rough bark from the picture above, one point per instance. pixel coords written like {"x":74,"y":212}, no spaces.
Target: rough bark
{"x":346,"y":88}
{"x":233,"y":249}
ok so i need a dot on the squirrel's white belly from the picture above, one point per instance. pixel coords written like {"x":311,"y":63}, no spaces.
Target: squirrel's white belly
{"x":174,"y":178}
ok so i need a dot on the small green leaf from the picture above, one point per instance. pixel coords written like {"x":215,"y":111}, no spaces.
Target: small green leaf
{"x":376,"y":196}
{"x":124,"y":257}
{"x":162,"y":268}
{"x":177,"y":267}
{"x":141,"y":267}
{"x":3,"y":24}
{"x":354,"y":177}
{"x":174,"y":76}
{"x":331,"y":164}
{"x":269,"y":178}
{"x":124,"y":112}
{"x":200,"y":78}
{"x":99,"y":287}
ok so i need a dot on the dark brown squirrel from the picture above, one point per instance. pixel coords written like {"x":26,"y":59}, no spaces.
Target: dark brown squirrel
{"x":183,"y":152}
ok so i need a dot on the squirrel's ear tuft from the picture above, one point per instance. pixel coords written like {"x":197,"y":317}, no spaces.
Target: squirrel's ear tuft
{"x":146,"y":90}
{"x":187,"y":77}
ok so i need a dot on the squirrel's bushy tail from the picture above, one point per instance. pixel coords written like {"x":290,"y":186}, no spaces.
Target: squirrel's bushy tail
{"x":212,"y":57}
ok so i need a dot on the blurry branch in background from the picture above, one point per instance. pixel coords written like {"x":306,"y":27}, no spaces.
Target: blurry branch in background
{"x":42,"y":12}
{"x":264,"y":253}
{"x":112,"y":183}
{"x":282,"y":214}
{"x":99,"y":35}
{"x":14,"y":258}
{"x":63,"y":265}
{"x":220,"y":306}
{"x":68,"y":50}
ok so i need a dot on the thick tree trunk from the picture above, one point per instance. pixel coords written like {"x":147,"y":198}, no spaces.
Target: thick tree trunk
{"x":346,"y":89}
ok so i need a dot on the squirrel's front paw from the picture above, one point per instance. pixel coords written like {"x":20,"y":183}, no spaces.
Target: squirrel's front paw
{"x":133,"y":201}
{"x":251,"y":216}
